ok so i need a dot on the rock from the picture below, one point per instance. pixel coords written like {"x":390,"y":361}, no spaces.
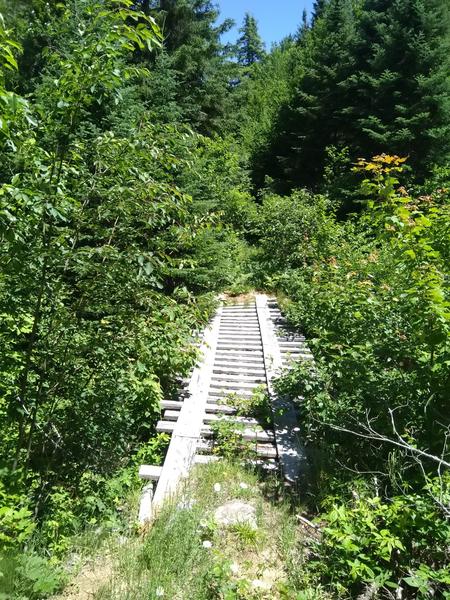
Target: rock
{"x":236,"y":512}
{"x":270,"y":577}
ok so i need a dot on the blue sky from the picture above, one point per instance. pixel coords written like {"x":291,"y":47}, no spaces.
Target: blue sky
{"x":276,"y":19}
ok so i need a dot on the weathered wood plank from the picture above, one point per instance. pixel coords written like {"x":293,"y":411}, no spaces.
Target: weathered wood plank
{"x":183,"y":444}
{"x":212,"y":407}
{"x":172,"y":415}
{"x":290,"y":449}
{"x":171,"y":404}
{"x":205,"y":459}
{"x":233,"y":377}
{"x":237,"y":384}
{"x":145,"y":507}
{"x":247,"y":434}
{"x":247,"y":357}
{"x":261,"y":450}
{"x":223,"y":393}
{"x":150,"y":472}
{"x":221,"y":366}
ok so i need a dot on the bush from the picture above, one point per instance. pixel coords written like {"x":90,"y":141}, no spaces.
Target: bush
{"x":402,"y":542}
{"x":373,"y":299}
{"x":292,"y":231}
{"x":28,"y":577}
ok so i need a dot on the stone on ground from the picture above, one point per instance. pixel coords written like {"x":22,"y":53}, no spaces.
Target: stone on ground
{"x":236,"y":512}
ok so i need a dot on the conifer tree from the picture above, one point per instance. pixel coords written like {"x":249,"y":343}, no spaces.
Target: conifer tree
{"x":373,"y":78}
{"x":197,"y":59}
{"x":250,"y":46}
{"x":314,"y":117}
{"x":318,"y":8}
{"x":402,"y":90}
{"x":303,"y":27}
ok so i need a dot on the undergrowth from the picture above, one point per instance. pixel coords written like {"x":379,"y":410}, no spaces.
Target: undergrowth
{"x":186,"y":555}
{"x":227,"y":433}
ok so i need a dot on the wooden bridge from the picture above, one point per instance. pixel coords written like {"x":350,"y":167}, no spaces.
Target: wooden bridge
{"x":245,"y":347}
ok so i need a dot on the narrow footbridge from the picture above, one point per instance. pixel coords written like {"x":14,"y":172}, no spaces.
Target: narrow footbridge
{"x":245,"y":347}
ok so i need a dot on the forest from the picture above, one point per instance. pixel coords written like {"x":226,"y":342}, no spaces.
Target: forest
{"x":145,"y":167}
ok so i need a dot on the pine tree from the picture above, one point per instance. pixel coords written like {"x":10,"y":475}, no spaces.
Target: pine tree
{"x":303,"y":27}
{"x":250,"y":46}
{"x":196,"y":56}
{"x":318,"y":8}
{"x":373,"y":78}
{"x":402,"y":90}
{"x":314,"y":117}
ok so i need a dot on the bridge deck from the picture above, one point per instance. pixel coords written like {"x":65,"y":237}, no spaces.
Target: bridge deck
{"x":244,"y":348}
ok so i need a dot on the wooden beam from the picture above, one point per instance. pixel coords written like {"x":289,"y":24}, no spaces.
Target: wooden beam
{"x":150,"y":472}
{"x":290,"y":449}
{"x":186,"y":434}
{"x":171,"y":404}
{"x":205,"y":459}
{"x":220,"y":408}
{"x":261,"y":450}
{"x":249,"y":434}
{"x":145,"y":507}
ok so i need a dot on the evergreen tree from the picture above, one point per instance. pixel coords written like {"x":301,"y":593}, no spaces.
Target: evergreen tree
{"x":197,"y":58}
{"x":373,"y":78}
{"x":318,"y":8}
{"x":250,"y":46}
{"x":303,"y":28}
{"x":402,"y":90}
{"x":261,"y":96}
{"x":315,"y":115}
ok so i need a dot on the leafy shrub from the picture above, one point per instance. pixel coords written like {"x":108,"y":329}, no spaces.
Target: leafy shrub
{"x":402,"y":542}
{"x":375,"y":306}
{"x":16,"y":524}
{"x":107,"y":267}
{"x":228,"y":441}
{"x":292,"y":232}
{"x":28,"y":577}
{"x":377,"y":313}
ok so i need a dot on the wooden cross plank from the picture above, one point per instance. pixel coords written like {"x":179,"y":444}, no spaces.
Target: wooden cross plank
{"x":150,"y":472}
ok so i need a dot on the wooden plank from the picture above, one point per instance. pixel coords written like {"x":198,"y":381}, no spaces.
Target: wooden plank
{"x":239,"y":328}
{"x":171,"y":415}
{"x":241,"y":345}
{"x":219,"y":408}
{"x":171,"y":405}
{"x":252,"y":319}
{"x":222,"y":366}
{"x":224,"y":383}
{"x":244,"y":377}
{"x":261,"y":450}
{"x":209,"y":417}
{"x":238,"y":310}
{"x":218,"y":393}
{"x":240,"y":356}
{"x":250,"y":361}
{"x":239,"y":337}
{"x":145,"y":506}
{"x":150,"y":472}
{"x":183,"y":444}
{"x":290,"y":449}
{"x":247,"y":434}
{"x":205,"y":459}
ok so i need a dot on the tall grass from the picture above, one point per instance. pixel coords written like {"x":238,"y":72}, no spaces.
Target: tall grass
{"x":185,"y":555}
